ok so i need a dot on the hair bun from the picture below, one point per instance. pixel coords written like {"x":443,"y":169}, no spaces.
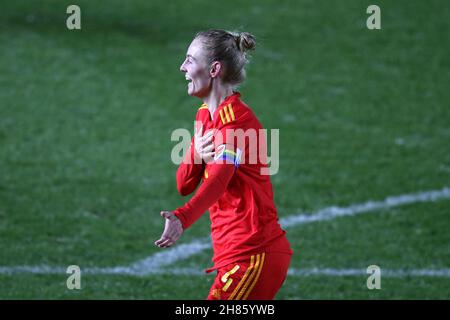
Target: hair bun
{"x":245,"y":41}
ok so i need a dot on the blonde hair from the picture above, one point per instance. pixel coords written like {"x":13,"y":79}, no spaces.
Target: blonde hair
{"x":229,"y":48}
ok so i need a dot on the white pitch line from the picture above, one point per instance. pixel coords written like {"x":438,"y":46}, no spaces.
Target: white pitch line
{"x":390,"y":273}
{"x":293,"y":272}
{"x":179,"y":252}
{"x":154,"y":263}
{"x":321,"y":215}
{"x":370,"y":206}
{"x":42,"y":269}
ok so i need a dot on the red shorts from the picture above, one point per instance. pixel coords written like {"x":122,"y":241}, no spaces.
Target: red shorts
{"x":257,"y":278}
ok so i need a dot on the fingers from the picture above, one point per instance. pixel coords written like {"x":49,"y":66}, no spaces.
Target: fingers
{"x":204,"y":146}
{"x":172,"y":231}
{"x":206,"y":140}
{"x":208,"y":148}
{"x":159,"y":241}
{"x":173,"y":234}
{"x":208,"y":157}
{"x":164,"y":242}
{"x":207,"y":135}
{"x":167,"y":240}
{"x":200,"y":136}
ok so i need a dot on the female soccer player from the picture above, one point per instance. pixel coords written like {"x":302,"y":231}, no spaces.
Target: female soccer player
{"x":251,"y":252}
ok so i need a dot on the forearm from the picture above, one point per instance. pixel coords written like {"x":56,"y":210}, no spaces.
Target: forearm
{"x":189,"y":172}
{"x":219,"y":175}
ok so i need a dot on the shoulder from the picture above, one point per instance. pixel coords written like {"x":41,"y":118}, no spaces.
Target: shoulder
{"x":202,"y":113}
{"x":233,"y":114}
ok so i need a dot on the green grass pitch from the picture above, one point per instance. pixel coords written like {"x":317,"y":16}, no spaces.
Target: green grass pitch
{"x":86,"y":118}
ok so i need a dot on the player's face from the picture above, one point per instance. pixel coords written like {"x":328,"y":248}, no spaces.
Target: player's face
{"x":196,"y":70}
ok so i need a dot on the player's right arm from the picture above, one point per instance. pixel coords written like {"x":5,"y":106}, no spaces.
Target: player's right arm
{"x":200,"y":151}
{"x":190,"y":171}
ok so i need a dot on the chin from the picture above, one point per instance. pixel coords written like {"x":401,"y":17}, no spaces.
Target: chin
{"x":200,"y":94}
{"x":195,"y":94}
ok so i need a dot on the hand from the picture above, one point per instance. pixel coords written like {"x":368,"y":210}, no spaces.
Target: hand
{"x":172,"y":230}
{"x":204,"y":146}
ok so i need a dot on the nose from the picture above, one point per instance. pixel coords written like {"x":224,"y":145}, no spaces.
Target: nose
{"x":182,"y":68}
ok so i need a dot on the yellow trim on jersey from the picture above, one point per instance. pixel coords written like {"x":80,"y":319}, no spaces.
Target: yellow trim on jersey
{"x":221,"y":117}
{"x":203,"y":106}
{"x":247,"y":272}
{"x":226,"y":114}
{"x":250,"y":278}
{"x":230,"y":109}
{"x":256,"y":278}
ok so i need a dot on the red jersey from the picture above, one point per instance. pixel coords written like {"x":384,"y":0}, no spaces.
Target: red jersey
{"x":239,"y":197}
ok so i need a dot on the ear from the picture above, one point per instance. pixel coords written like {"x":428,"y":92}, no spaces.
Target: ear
{"x":216,"y":67}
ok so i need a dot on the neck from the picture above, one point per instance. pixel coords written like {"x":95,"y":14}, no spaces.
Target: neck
{"x":216,"y":96}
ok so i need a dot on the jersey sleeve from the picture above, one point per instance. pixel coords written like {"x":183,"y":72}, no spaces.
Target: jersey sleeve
{"x":189,"y":172}
{"x":231,"y":134}
{"x":219,"y":173}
